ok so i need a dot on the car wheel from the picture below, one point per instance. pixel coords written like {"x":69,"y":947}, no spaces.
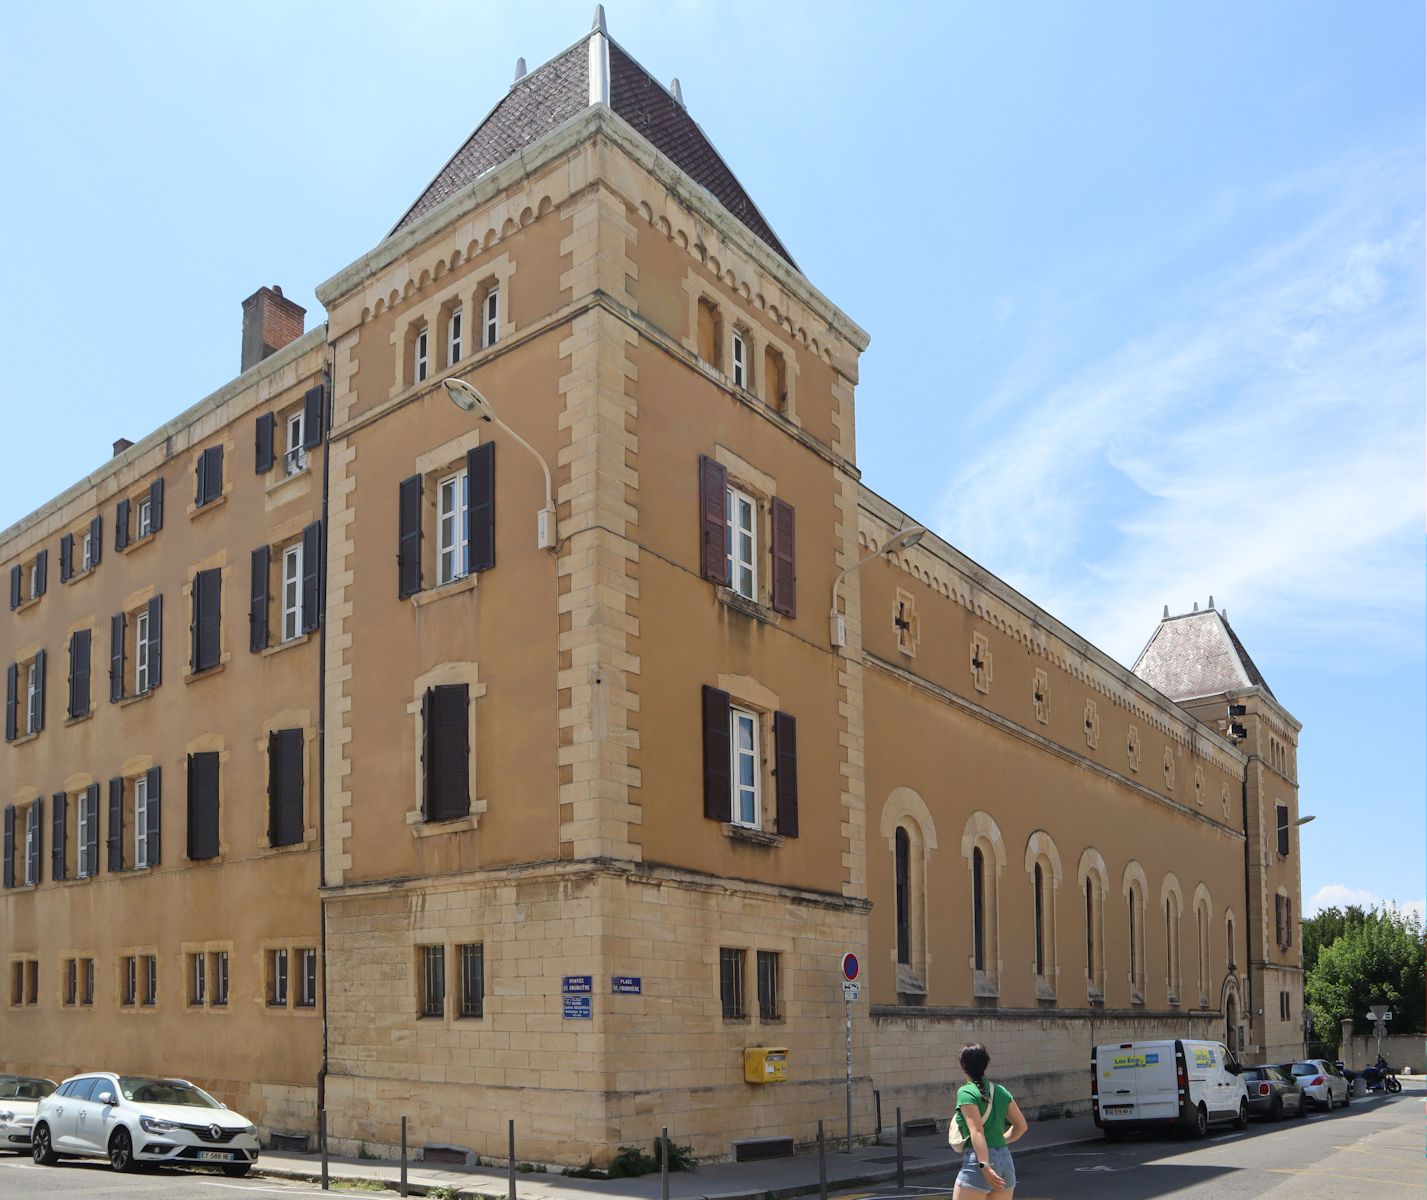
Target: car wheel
{"x":1275,"y":1109}
{"x":1242,"y":1120}
{"x":1201,"y":1122}
{"x":121,"y":1151}
{"x":1302,"y":1104}
{"x":1348,"y":1096}
{"x":237,"y":1170}
{"x":1113,"y":1135}
{"x":41,"y":1149}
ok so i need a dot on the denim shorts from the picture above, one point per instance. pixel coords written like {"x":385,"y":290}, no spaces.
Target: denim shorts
{"x":1002,"y":1163}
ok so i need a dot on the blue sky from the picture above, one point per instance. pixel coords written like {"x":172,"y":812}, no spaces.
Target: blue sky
{"x":1144,"y":283}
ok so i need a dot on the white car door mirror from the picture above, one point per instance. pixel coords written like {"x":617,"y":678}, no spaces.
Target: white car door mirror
{"x":106,"y":1098}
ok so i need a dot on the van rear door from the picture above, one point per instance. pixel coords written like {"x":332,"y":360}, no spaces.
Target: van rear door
{"x":1156,"y":1083}
{"x":1137,"y":1081}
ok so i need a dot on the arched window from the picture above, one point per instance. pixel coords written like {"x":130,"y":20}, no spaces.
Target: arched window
{"x":1134,"y":940}
{"x":1202,"y":916}
{"x":1090,"y":955}
{"x":1171,"y":946}
{"x":1038,"y":889}
{"x":904,"y":897}
{"x":978,"y":906}
{"x":1095,"y":884}
{"x":1229,"y":942}
{"x":1042,"y":863}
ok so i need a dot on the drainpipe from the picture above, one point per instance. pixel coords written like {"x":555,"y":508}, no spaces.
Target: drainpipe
{"x":1248,"y":913}
{"x":322,"y":731}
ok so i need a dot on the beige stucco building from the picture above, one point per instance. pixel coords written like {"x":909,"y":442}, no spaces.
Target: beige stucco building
{"x":480,"y":819}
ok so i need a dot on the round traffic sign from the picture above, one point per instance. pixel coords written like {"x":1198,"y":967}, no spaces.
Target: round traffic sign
{"x":850,"y":966}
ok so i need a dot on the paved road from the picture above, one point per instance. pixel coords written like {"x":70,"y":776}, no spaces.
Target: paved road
{"x":1371,"y":1150}
{"x":20,"y":1179}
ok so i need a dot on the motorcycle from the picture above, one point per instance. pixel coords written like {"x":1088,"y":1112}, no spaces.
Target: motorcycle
{"x":1381,"y":1076}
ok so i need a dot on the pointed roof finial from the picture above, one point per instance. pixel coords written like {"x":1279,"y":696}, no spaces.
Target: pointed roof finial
{"x":1166,"y":612}
{"x":1196,"y":606}
{"x":678,"y":91}
{"x":599,"y":25}
{"x":519,"y":70}
{"x":1211,"y":601}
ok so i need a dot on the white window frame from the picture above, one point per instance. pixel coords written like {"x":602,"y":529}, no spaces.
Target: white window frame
{"x":86,"y":554}
{"x":30,"y":827}
{"x":141,"y":822}
{"x":490,"y":318}
{"x":86,"y":868}
{"x":740,"y":360}
{"x":144,"y":523}
{"x":34,"y":579}
{"x":32,"y":695}
{"x":747,"y":798}
{"x":422,"y":360}
{"x":738,"y":505}
{"x":141,"y":652}
{"x":220,"y":978}
{"x":200,"y":979}
{"x":277,"y":964}
{"x":292,"y":592}
{"x":453,"y":336}
{"x":294,"y":461}
{"x":453,"y":530}
{"x":306,"y":978}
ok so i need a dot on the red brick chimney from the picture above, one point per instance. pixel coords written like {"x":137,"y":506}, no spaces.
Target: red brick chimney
{"x":270,"y":322}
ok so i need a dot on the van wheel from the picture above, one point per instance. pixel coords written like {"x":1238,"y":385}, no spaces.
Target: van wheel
{"x":1201,"y":1122}
{"x":1242,"y":1120}
{"x":1113,"y":1135}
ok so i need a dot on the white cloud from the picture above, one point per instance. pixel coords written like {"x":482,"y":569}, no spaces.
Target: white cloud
{"x":1339,"y":895}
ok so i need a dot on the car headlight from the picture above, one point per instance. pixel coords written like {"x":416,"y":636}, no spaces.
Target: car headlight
{"x":250,"y":1129}
{"x":150,"y":1125}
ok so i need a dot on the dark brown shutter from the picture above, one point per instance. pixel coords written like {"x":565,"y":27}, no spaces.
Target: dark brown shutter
{"x":12,"y":689}
{"x":718,"y":767}
{"x":96,"y":540}
{"x":312,"y":417}
{"x":39,"y":716}
{"x":408,"y":543}
{"x":42,"y":560}
{"x":154,"y":836}
{"x":446,"y":752}
{"x":115,"y":841}
{"x":91,"y":839}
{"x":480,"y":507}
{"x":66,"y":557}
{"x":156,"y":504}
{"x":200,"y":490}
{"x":1288,"y":921}
{"x":9,"y":845}
{"x":121,"y":524}
{"x":210,"y":474}
{"x":258,"y":635}
{"x":285,"y":754}
{"x":785,"y":571}
{"x":311,"y":576}
{"x":203,"y":805}
{"x":36,"y":852}
{"x":116,"y":657}
{"x":79,"y":673}
{"x":58,"y":835}
{"x":207,"y":617}
{"x":15,"y":586}
{"x":263,"y":443}
{"x":785,"y":772}
{"x":156,"y":630}
{"x":713,"y":521}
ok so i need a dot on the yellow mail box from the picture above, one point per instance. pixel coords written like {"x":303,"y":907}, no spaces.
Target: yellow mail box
{"x":765,"y":1064}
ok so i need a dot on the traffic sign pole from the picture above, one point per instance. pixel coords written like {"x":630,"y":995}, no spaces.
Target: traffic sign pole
{"x":851,"y":969}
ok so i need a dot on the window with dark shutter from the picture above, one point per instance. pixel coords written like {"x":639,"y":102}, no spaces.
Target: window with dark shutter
{"x":210,"y":475}
{"x":156,"y":505}
{"x":408,"y":545}
{"x":1282,"y":813}
{"x":37,"y":714}
{"x":66,"y":557}
{"x":311,"y":576}
{"x":285,"y":787}
{"x":155,"y":805}
{"x":785,"y":738}
{"x":203,"y":805}
{"x":207,"y":615}
{"x":785,"y":572}
{"x":312,"y":417}
{"x":59,"y":837}
{"x":9,"y":845}
{"x":15,"y":577}
{"x":79,"y":673}
{"x":713,"y":520}
{"x":121,"y":524}
{"x":258,"y":600}
{"x":35,"y":851}
{"x":446,"y":752}
{"x":263,"y":443}
{"x":480,"y":507}
{"x":116,"y":657}
{"x":42,"y":560}
{"x":90,"y":847}
{"x":96,"y":540}
{"x":156,"y":626}
{"x":718,"y":771}
{"x":115,"y":842}
{"x":12,"y":715}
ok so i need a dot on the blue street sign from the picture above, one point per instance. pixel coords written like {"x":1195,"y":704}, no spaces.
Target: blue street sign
{"x":573,"y":985}
{"x":626,"y":985}
{"x":579,"y":1008}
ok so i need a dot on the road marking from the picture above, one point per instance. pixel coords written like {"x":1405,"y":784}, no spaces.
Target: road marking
{"x":258,"y":1187}
{"x":1317,"y":1174}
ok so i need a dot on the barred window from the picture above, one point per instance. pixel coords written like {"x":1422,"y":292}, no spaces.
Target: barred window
{"x":473,"y":980}
{"x":220,"y":978}
{"x":197,"y":979}
{"x":770,"y":1007}
{"x":307,"y":978}
{"x":129,"y":980}
{"x":71,"y":980}
{"x":730,"y":973}
{"x":150,"y":994}
{"x":277,"y":978}
{"x":433,"y":981}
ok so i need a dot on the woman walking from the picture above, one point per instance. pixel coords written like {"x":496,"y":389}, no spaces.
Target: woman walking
{"x":991,"y":1120}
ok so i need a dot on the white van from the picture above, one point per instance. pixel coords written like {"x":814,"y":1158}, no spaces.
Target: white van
{"x":1178,"y":1084}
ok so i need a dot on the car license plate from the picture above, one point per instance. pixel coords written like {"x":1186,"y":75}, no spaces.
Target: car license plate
{"x":215,"y":1156}
{"x":1118,"y":1110}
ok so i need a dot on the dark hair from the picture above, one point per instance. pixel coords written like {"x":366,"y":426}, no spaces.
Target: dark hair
{"x":974,"y":1061}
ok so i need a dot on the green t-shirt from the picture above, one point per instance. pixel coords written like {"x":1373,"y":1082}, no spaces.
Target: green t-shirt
{"x":994,"y":1121}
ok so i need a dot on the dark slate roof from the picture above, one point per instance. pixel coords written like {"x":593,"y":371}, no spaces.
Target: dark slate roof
{"x":557,"y":91}
{"x":1197,"y":654}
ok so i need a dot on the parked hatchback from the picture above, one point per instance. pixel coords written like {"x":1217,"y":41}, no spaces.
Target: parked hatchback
{"x":1273,"y":1092}
{"x":19,"y":1096}
{"x":1322,"y":1083}
{"x":138,"y":1119}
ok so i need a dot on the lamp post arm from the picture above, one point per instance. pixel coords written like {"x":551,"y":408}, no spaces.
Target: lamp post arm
{"x":837,"y":583}
{"x":540,"y":458}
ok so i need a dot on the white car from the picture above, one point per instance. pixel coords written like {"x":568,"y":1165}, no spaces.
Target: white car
{"x":19,"y":1095}
{"x":1322,"y":1083}
{"x":137,"y":1119}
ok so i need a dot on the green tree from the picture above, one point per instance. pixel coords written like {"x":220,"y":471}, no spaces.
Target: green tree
{"x":1327,"y":926}
{"x":1383,"y":960}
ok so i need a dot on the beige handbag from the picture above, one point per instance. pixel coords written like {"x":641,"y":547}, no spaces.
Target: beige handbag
{"x":957,"y":1140}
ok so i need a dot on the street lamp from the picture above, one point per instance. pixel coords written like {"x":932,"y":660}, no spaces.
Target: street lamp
{"x":837,"y":623}
{"x":467,"y":399}
{"x":1305,"y":820}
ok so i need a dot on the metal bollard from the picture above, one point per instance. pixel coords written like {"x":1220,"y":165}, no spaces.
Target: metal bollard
{"x":822,"y":1164}
{"x":664,"y":1163}
{"x":401,"y":1185}
{"x":901,"y":1167}
{"x":510,"y":1165}
{"x":322,"y":1139}
{"x":877,"y":1102}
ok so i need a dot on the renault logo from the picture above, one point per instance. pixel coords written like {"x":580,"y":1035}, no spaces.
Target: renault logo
{"x":215,"y":1132}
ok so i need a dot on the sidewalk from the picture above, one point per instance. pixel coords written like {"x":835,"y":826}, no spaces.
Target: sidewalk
{"x":771,"y":1179}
